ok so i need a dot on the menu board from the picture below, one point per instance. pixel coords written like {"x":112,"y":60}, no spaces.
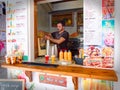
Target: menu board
{"x":16,"y":18}
{"x":11,"y":84}
{"x":92,"y":22}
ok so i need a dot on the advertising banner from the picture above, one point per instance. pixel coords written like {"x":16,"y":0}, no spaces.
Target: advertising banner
{"x":99,"y":33}
{"x":98,"y":41}
{"x":17,"y":37}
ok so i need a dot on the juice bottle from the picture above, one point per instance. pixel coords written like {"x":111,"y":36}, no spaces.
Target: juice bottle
{"x":61,"y":55}
{"x":65,"y":55}
{"x":53,"y":59}
{"x":82,"y":51}
{"x":69,"y":56}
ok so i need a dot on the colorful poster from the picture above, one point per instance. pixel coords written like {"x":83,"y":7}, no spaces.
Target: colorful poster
{"x":99,"y":37}
{"x":108,"y":9}
{"x":17,"y":37}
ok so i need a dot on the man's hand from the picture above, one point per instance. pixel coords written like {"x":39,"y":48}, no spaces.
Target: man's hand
{"x":57,"y":41}
{"x":47,"y":37}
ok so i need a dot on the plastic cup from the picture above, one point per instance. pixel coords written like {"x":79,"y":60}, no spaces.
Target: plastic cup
{"x":8,"y":59}
{"x":13,"y":59}
{"x":19,"y":59}
{"x":46,"y":58}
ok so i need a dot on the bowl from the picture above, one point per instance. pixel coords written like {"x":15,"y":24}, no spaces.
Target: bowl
{"x":78,"y":61}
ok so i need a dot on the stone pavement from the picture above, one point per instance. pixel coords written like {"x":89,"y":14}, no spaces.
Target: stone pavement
{"x":3,"y":71}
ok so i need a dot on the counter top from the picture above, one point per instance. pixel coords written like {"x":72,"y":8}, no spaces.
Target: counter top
{"x":70,"y":70}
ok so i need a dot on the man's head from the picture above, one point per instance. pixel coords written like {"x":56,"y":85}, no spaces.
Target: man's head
{"x":60,"y":27}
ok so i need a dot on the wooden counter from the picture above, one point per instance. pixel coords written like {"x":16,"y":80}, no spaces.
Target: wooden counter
{"x":74,"y":71}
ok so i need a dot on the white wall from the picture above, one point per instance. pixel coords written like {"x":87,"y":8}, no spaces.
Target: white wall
{"x":68,"y":5}
{"x":31,"y":29}
{"x":117,"y":36}
{"x":43,"y":17}
{"x":117,"y":45}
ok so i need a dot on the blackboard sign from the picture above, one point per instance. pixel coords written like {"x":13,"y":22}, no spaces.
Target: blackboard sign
{"x":11,"y":84}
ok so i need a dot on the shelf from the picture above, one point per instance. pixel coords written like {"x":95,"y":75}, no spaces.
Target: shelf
{"x":79,"y":18}
{"x":80,"y":25}
{"x":72,"y":70}
{"x":65,"y":18}
{"x":79,"y":21}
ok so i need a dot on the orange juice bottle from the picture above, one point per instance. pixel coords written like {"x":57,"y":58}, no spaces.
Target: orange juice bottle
{"x":69,"y":56}
{"x":53,"y":59}
{"x":82,"y":53}
{"x":61,"y":55}
{"x":65,"y":55}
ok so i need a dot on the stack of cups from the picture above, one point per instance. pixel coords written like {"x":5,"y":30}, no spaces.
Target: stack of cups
{"x":47,"y":53}
{"x":11,"y":59}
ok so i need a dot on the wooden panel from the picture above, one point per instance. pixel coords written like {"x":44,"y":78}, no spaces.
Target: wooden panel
{"x":75,"y":82}
{"x":79,"y":20}
{"x":41,"y":52}
{"x":35,"y":30}
{"x":29,"y":74}
{"x":75,"y":71}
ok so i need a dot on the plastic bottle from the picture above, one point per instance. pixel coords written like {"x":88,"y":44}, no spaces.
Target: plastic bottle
{"x":65,"y":55}
{"x":53,"y":59}
{"x":82,"y":51}
{"x":61,"y":55}
{"x":69,"y":56}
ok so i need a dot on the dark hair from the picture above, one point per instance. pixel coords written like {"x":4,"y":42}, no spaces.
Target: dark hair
{"x":62,"y":22}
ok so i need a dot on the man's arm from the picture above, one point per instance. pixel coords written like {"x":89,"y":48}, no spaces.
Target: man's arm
{"x":57,"y":41}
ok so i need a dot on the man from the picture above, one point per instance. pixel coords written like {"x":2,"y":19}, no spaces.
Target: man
{"x":59,"y":37}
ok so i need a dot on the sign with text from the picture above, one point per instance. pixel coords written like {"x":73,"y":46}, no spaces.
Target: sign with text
{"x":54,"y":80}
{"x":11,"y":84}
{"x":17,"y":27}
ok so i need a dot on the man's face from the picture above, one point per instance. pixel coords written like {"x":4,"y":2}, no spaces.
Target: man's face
{"x":59,"y":27}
